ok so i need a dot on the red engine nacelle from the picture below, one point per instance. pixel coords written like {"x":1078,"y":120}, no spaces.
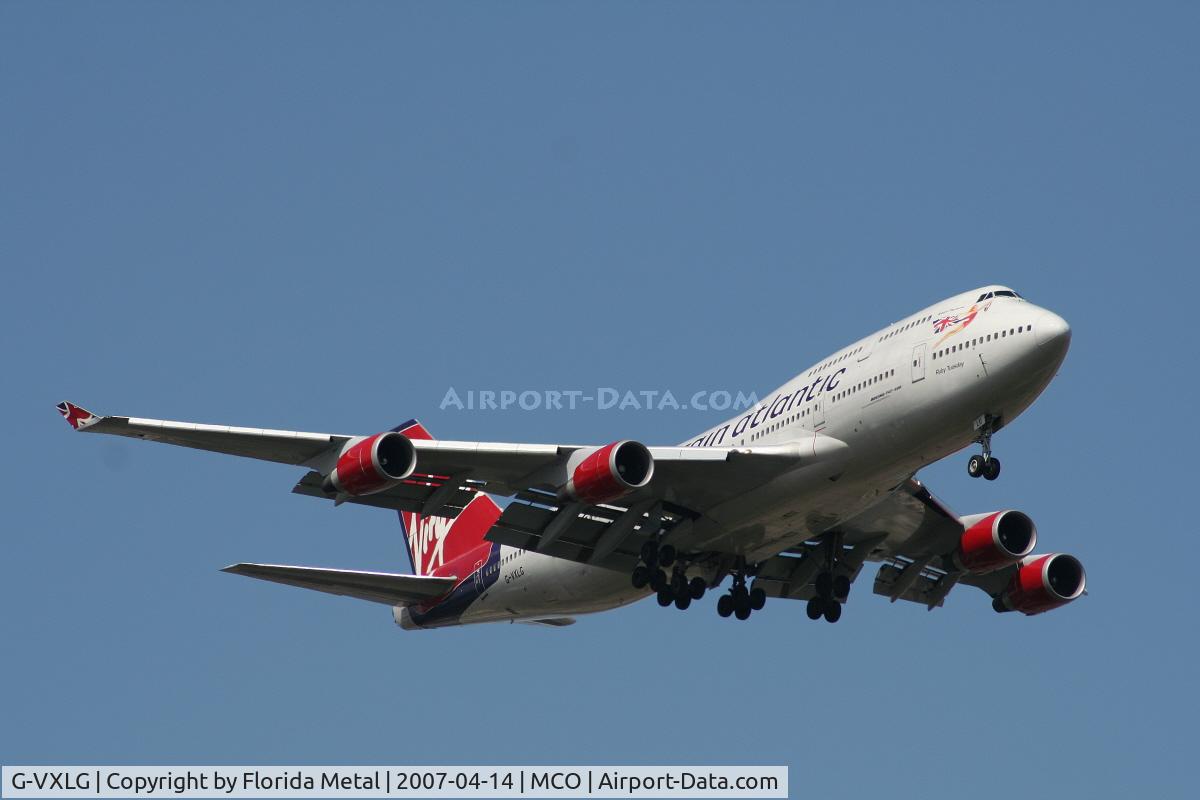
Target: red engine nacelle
{"x":372,"y":465}
{"x":1043,"y":583}
{"x":996,"y":541}
{"x":609,"y":472}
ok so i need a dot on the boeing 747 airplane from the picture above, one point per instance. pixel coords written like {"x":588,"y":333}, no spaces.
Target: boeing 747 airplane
{"x":788,"y":500}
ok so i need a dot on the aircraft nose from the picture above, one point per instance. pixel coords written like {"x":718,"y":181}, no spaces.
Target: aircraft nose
{"x":1050,"y":328}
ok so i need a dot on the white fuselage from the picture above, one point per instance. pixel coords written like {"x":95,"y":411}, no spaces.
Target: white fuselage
{"x":901,"y":398}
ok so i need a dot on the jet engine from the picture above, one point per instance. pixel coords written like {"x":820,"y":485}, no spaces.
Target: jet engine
{"x":1043,"y":583}
{"x":372,"y":465}
{"x":996,"y":540}
{"x":609,"y":472}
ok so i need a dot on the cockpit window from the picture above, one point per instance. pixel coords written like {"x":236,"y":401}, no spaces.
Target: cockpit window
{"x":1000,"y":293}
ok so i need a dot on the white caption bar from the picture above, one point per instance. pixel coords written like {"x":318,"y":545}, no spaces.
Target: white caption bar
{"x":412,"y":782}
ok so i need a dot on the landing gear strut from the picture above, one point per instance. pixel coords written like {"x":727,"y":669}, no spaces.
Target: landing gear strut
{"x":985,"y":465}
{"x":741,"y":602}
{"x":832,"y":587}
{"x":832,"y":591}
{"x":665,"y":573}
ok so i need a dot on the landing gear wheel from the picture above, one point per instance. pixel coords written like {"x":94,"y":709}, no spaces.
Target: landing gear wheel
{"x":658,"y":581}
{"x":815,"y":607}
{"x":841,"y":587}
{"x":758,"y":599}
{"x":682,"y":601}
{"x":650,"y":551}
{"x":833,"y":611}
{"x":696,"y":588}
{"x":725,"y":605}
{"x":825,"y":585}
{"x":742,"y":612}
{"x":991,"y":470}
{"x":666,"y":555}
{"x":665,"y":598}
{"x":641,"y":577}
{"x":975,"y":465}
{"x":679,"y":584}
{"x":741,"y":603}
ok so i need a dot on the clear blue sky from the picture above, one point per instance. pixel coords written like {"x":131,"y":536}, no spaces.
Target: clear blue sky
{"x":320,"y":216}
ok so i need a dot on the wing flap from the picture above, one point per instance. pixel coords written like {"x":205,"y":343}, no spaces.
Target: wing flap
{"x":376,"y":587}
{"x":413,"y":496}
{"x":536,"y":521}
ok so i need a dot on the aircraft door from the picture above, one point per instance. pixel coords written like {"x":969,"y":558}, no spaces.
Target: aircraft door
{"x":818,"y":413}
{"x":480,"y":566}
{"x":918,"y":363}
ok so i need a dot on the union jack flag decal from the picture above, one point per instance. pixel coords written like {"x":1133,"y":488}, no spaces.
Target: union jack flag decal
{"x":953,"y":324}
{"x":75,"y":416}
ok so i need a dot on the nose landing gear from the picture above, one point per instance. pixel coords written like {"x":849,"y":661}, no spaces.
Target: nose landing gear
{"x":985,"y":465}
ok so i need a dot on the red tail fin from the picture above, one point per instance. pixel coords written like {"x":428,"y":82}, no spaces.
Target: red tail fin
{"x":435,"y":541}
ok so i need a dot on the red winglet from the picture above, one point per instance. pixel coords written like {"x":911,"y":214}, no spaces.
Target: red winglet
{"x":77,"y":417}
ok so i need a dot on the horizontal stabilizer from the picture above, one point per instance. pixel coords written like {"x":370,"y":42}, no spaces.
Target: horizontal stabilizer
{"x":378,"y":587}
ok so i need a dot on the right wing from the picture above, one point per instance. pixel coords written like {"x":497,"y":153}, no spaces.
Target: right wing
{"x":377,"y":587}
{"x":916,"y":530}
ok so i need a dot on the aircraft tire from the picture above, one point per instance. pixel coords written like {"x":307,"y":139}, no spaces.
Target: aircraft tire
{"x":741,"y":602}
{"x":658,"y":581}
{"x":975,"y":465}
{"x":815,"y":608}
{"x":991,"y":470}
{"x":641,"y":577}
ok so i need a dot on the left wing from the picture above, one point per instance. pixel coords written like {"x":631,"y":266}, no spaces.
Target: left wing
{"x":445,"y":475}
{"x":285,"y":447}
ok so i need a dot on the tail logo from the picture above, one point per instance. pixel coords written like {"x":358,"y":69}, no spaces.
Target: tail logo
{"x":427,"y":538}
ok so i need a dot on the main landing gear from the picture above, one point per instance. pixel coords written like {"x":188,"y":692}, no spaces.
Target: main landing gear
{"x":740,"y":601}
{"x":985,"y":465}
{"x":832,"y":591}
{"x":663,"y":571}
